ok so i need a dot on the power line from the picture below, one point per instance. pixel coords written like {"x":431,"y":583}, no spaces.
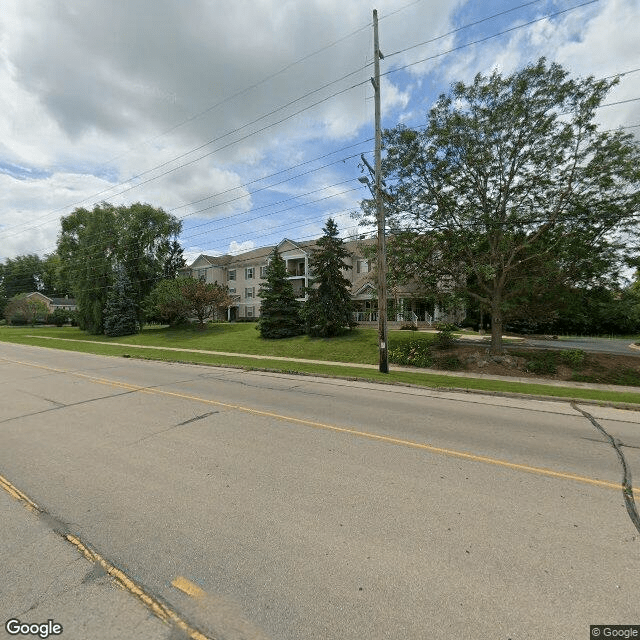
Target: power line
{"x":466,"y":26}
{"x":236,"y":130}
{"x":257,"y":180}
{"x":485,"y":39}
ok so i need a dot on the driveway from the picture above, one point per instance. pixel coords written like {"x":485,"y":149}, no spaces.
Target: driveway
{"x":616,"y":346}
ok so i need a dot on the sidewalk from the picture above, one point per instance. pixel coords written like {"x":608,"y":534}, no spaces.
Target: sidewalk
{"x":355,"y":365}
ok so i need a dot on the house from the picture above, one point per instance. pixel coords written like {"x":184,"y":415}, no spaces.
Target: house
{"x":66,"y":303}
{"x":244,"y":272}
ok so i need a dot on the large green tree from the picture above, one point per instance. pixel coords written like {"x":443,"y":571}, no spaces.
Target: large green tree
{"x":328,"y":310}
{"x":511,"y":192}
{"x":93,"y":243}
{"x":279,"y":309}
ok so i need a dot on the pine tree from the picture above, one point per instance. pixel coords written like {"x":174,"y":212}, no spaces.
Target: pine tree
{"x":279,"y":311}
{"x":329,"y":308}
{"x":120,"y":311}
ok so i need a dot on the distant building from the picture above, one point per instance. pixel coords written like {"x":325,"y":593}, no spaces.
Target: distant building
{"x":244,"y":272}
{"x":66,"y":303}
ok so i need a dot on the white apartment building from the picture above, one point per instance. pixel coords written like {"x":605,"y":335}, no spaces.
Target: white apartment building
{"x":244,"y":272}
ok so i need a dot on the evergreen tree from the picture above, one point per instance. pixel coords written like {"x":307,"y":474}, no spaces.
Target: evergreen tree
{"x":329,"y":308}
{"x":121,"y":309}
{"x":280,"y":311}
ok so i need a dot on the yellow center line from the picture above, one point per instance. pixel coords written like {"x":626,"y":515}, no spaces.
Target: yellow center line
{"x":346,"y":430}
{"x":159,"y":609}
{"x":188,"y":587}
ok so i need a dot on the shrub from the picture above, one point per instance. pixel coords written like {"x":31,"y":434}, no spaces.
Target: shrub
{"x":544,"y":363}
{"x":450,"y":363}
{"x":59,"y":317}
{"x":574,"y":358}
{"x":415,"y":353}
{"x":629,"y":377}
{"x":445,"y":326}
{"x":444,"y":338}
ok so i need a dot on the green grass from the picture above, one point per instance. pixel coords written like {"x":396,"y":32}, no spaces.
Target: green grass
{"x":359,"y":347}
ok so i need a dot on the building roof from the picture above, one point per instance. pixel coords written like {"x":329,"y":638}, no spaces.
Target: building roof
{"x":228,"y":260}
{"x":63,"y":302}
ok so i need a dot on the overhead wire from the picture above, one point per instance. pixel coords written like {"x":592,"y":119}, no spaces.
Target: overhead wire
{"x":218,"y":138}
{"x":418,"y":62}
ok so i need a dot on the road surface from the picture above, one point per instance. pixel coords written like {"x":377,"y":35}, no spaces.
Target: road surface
{"x":617,"y":346}
{"x":257,"y":505}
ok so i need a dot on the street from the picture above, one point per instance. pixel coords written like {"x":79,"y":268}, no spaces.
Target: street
{"x":264,"y":505}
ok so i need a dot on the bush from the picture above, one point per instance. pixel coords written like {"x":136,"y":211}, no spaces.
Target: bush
{"x":445,"y":326}
{"x":415,"y":353}
{"x":444,"y":338}
{"x":450,"y":363}
{"x":59,"y":317}
{"x":628,"y":377}
{"x":545,"y":363}
{"x":574,"y":358}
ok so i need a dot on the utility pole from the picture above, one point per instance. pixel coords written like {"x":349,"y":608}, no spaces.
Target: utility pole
{"x":382,"y":250}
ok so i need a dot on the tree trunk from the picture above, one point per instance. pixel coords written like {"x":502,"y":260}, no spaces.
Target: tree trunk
{"x":496,"y":326}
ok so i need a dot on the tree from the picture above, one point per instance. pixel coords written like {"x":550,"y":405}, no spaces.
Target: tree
{"x":511,"y":192}
{"x":166,"y":302}
{"x":279,"y":309}
{"x":92,"y":244}
{"x":145,"y":248}
{"x":21,"y":309}
{"x":22,"y":274}
{"x":329,"y":308}
{"x":174,"y":260}
{"x":205,"y":299}
{"x":120,"y":311}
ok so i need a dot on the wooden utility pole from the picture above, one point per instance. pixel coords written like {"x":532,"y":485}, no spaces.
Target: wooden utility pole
{"x":382,"y":251}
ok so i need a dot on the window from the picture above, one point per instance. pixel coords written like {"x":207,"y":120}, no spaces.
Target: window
{"x":250,"y":312}
{"x":249,"y":273}
{"x":362,"y":266}
{"x":232,"y":289}
{"x":232,"y":274}
{"x":249,"y":292}
{"x":263,"y":271}
{"x":202,"y":275}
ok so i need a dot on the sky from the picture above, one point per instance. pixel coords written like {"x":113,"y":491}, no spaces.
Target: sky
{"x":246,"y":119}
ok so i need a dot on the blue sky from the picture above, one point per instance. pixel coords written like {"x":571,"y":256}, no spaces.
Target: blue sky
{"x":247,"y":119}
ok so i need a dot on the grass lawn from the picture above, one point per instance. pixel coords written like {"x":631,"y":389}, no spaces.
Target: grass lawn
{"x":359,"y":346}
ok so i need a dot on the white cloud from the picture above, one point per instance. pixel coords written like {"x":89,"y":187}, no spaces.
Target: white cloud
{"x":94,"y":94}
{"x":241,"y":247}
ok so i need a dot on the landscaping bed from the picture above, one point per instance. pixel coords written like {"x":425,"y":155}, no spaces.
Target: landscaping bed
{"x":571,"y":364}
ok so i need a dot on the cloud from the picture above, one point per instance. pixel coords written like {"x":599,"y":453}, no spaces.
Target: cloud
{"x":190,"y":107}
{"x":240,"y":247}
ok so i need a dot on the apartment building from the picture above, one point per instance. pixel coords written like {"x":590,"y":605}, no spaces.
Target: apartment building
{"x":244,"y":272}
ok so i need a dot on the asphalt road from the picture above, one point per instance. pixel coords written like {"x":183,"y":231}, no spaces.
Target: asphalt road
{"x":616,"y":346}
{"x":253,"y":505}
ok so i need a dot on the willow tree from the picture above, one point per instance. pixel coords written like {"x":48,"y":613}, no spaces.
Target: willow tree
{"x":511,"y":191}
{"x":94,"y":244}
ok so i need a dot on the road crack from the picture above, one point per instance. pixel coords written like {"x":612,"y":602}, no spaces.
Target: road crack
{"x":627,"y":487}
